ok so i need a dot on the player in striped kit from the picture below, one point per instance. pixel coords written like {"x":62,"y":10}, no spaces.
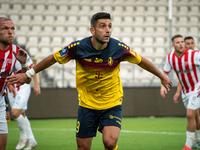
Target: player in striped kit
{"x":185,"y":63}
{"x":9,"y":56}
{"x":18,"y":106}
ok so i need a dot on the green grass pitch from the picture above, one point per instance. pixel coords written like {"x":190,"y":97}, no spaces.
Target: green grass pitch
{"x":136,"y":134}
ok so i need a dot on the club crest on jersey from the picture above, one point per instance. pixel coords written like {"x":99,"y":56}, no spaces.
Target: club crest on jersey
{"x":63,"y":51}
{"x":110,"y":61}
{"x":9,"y":61}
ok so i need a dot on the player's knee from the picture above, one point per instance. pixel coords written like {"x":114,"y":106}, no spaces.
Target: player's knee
{"x":83,"y":147}
{"x":15,"y":114}
{"x":109,"y":144}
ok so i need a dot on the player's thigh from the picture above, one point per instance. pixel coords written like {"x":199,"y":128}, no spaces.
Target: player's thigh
{"x":21,"y":99}
{"x":87,"y":123}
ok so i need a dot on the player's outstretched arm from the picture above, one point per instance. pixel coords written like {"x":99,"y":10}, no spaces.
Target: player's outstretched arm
{"x":24,"y":77}
{"x":147,"y":65}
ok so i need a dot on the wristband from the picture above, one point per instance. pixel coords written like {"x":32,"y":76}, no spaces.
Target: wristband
{"x":30,"y":73}
{"x":24,"y":65}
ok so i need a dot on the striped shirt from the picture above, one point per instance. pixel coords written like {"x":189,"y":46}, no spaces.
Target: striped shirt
{"x":8,"y":64}
{"x":186,"y":68}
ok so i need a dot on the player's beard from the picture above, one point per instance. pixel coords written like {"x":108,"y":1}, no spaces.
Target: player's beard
{"x":7,"y":42}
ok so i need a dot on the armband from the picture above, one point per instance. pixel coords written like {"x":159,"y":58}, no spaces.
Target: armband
{"x":24,"y":65}
{"x":30,"y":73}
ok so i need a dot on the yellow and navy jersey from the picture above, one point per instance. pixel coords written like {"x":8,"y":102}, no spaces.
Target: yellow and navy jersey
{"x":97,"y":71}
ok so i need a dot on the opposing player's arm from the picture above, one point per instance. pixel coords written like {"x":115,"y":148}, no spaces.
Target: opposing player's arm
{"x":24,"y":77}
{"x":147,"y":65}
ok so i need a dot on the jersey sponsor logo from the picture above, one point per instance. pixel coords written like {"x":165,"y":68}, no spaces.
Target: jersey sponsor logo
{"x":63,"y":51}
{"x":110,"y":61}
{"x":88,"y":59}
{"x":98,"y":60}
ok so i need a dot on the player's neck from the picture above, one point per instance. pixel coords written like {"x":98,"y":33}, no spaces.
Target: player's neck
{"x":4,"y":47}
{"x":97,"y":45}
{"x":179,"y":54}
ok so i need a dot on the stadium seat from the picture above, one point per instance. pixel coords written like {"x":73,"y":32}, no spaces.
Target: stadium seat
{"x":28,"y":8}
{"x":14,"y":17}
{"x":137,"y":41}
{"x":16,"y":8}
{"x":37,"y":18}
{"x":21,"y":40}
{"x":33,"y":51}
{"x":39,"y":7}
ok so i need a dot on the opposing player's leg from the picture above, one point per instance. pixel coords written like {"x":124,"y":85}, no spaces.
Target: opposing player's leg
{"x":196,"y":142}
{"x":192,"y":103}
{"x":191,"y":127}
{"x":20,"y":120}
{"x":32,"y":142}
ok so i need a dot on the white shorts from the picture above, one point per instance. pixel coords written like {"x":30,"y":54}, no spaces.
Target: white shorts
{"x":190,"y":100}
{"x":3,"y":121}
{"x":20,"y":101}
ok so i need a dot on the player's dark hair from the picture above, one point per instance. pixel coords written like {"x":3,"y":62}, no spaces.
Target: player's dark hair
{"x":97,"y":16}
{"x":188,"y":37}
{"x":176,"y":36}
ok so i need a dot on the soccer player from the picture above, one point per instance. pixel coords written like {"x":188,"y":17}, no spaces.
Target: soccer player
{"x":190,"y":44}
{"x":186,"y":65}
{"x":13,"y":59}
{"x":98,"y":83}
{"x":18,"y":106}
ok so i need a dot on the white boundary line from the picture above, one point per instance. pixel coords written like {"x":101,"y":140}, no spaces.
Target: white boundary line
{"x":123,"y":131}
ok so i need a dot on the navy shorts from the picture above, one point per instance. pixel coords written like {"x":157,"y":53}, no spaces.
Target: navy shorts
{"x":89,"y":120}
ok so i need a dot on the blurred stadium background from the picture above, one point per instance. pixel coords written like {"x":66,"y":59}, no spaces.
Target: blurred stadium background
{"x":44,"y":26}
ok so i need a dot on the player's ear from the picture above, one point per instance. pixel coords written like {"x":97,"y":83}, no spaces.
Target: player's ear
{"x":92,"y":30}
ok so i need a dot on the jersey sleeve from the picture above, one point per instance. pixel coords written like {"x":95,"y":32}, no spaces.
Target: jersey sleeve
{"x":65,"y":54}
{"x":167,"y":67}
{"x":131,"y":55}
{"x":18,"y":67}
{"x":197,"y":58}
{"x":29,"y":61}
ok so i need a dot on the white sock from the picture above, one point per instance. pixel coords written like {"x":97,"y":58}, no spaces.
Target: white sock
{"x":21,"y":125}
{"x":198,"y":134}
{"x":29,"y":130}
{"x":189,"y":138}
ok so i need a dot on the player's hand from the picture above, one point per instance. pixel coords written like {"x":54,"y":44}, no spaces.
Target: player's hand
{"x":37,"y":89}
{"x":166,"y":82}
{"x":175,"y":98}
{"x":21,"y":56}
{"x":20,"y":78}
{"x":11,"y":89}
{"x":163,"y":91}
